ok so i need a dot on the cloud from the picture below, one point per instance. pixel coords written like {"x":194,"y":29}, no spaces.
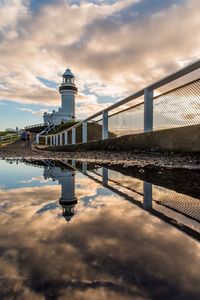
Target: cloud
{"x":36,"y":179}
{"x":34,"y":112}
{"x":111,"y":46}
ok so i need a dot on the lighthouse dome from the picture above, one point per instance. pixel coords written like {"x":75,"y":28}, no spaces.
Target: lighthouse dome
{"x":68,"y":72}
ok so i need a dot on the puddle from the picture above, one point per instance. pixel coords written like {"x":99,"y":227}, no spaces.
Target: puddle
{"x":83,"y":231}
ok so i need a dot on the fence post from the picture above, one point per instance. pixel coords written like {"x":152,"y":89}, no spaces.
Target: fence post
{"x":148,"y":110}
{"x":66,"y":137}
{"x":147,"y":191}
{"x":46,"y":140}
{"x":61,"y":139}
{"x":73,"y":163}
{"x":104,"y":176}
{"x":37,"y":140}
{"x":73,"y":135}
{"x":84,"y":167}
{"x":56,"y":139}
{"x":84,"y":132}
{"x":51,"y":140}
{"x":105,"y":125}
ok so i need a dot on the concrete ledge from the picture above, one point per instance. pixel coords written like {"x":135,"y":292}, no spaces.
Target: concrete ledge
{"x":178,"y":140}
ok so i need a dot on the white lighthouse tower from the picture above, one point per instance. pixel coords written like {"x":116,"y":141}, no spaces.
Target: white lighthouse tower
{"x":68,"y":91}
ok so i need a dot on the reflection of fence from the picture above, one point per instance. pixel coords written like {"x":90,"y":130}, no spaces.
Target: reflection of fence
{"x":174,"y":208}
{"x":142,"y":111}
{"x":183,"y":204}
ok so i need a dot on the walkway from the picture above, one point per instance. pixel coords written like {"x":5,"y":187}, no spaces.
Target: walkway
{"x":16,"y":148}
{"x":125,"y":158}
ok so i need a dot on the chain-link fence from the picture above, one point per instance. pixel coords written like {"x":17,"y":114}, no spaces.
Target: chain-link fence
{"x":179,"y":107}
{"x":176,"y":108}
{"x":128,"y":121}
{"x":180,"y":203}
{"x":94,"y":130}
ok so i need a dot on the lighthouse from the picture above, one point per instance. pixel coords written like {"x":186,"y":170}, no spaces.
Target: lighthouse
{"x":68,"y":91}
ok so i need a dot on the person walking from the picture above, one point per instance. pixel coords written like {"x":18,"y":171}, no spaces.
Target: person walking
{"x":28,"y":139}
{"x":23,"y":135}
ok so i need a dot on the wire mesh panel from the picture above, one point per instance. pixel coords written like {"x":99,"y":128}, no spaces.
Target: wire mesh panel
{"x":62,"y":138}
{"x":42,"y":140}
{"x":128,"y":121}
{"x":128,"y":182}
{"x":79,"y":134}
{"x":181,"y":203}
{"x":69,"y":137}
{"x":179,"y":107}
{"x":94,"y":130}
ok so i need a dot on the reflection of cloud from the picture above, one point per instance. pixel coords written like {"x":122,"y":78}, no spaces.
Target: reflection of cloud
{"x":13,"y":200}
{"x":116,"y":250}
{"x":37,"y":179}
{"x":85,"y":190}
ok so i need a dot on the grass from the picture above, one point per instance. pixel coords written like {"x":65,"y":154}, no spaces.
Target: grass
{"x":63,"y":126}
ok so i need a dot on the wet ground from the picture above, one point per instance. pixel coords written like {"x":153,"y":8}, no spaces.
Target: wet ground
{"x":19,"y":149}
{"x":73,"y":230}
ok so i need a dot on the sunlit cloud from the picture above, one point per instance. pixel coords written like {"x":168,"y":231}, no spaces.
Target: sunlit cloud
{"x":34,"y":112}
{"x":36,"y":179}
{"x":112,"y":48}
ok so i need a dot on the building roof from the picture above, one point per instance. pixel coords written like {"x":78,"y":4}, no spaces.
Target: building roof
{"x":68,"y":72}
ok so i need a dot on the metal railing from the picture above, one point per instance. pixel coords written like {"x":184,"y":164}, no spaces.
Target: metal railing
{"x":35,"y":125}
{"x":9,"y":137}
{"x":140,"y":112}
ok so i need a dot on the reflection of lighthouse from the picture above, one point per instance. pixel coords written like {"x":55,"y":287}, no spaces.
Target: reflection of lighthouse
{"x":68,"y":199}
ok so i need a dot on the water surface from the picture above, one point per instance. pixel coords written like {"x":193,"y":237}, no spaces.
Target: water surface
{"x":75,"y":231}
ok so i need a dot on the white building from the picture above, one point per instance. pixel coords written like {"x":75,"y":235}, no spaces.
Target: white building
{"x":66,"y":112}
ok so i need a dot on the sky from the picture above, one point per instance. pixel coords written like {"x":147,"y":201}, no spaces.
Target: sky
{"x":114,"y":48}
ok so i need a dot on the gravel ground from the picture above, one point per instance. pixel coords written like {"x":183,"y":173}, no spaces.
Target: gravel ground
{"x":20,"y":150}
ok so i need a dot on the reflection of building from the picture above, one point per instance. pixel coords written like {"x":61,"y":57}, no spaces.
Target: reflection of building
{"x":65,"y":177}
{"x":66,"y":112}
